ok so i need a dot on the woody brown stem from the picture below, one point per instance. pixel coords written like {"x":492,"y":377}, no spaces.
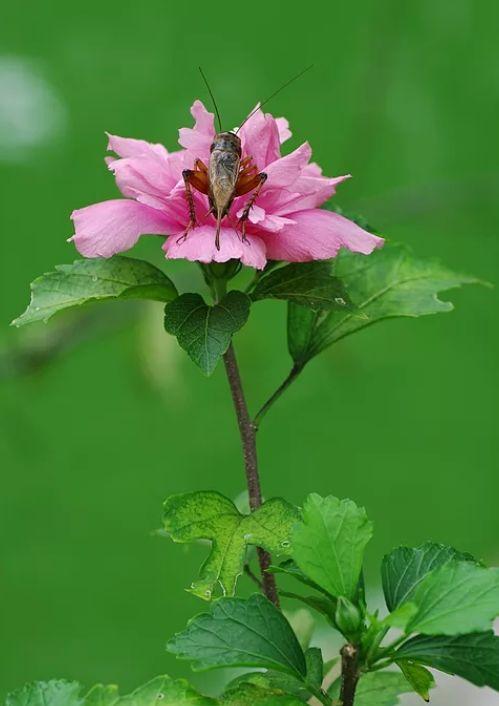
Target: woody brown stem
{"x":248,"y":439}
{"x":349,"y":674}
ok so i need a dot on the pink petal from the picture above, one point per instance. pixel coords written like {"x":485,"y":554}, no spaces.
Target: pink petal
{"x":129,"y":147}
{"x":110,"y":227}
{"x":260,"y":139}
{"x":307,"y":192}
{"x":148,"y":176}
{"x":283,"y":172}
{"x":199,"y":138}
{"x":200,"y":246}
{"x":318,"y":235}
{"x":265,"y":221}
{"x":284,"y":131}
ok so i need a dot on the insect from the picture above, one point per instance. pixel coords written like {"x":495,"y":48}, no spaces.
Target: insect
{"x":227,"y":174}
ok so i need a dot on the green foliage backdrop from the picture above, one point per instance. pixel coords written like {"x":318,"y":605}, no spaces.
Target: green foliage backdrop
{"x":404,"y":96}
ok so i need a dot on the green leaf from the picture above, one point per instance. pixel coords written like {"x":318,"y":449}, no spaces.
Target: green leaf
{"x":102,"y":695}
{"x":474,"y":657}
{"x":377,"y":689}
{"x":328,"y":545}
{"x":322,"y":604}
{"x":288,"y":683}
{"x":165,"y":691}
{"x":289,"y":568}
{"x":241,"y":633}
{"x":50,"y":693}
{"x":248,"y":694}
{"x":205,"y":332}
{"x":301,"y":324}
{"x":405,"y":567}
{"x":418,"y":677}
{"x":308,"y":284}
{"x":399,"y":618}
{"x":210,"y":515}
{"x":389,"y":283}
{"x":457,"y":598}
{"x":99,"y":279}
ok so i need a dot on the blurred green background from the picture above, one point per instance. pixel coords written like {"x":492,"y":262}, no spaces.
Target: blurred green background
{"x":402,"y":417}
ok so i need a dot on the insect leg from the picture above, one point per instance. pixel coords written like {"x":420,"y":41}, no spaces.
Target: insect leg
{"x":256,"y":184}
{"x":187,"y":175}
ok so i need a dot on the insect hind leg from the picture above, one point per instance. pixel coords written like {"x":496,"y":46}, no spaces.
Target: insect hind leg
{"x":256,"y":183}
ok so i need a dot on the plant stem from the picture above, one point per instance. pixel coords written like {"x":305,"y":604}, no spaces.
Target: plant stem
{"x":248,"y":438}
{"x":295,"y":371}
{"x":349,"y":674}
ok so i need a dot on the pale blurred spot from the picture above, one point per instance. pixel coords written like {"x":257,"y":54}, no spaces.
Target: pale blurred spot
{"x":159,"y":353}
{"x":31,"y":112}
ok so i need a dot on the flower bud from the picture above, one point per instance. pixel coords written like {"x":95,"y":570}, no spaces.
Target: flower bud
{"x":347,"y":617}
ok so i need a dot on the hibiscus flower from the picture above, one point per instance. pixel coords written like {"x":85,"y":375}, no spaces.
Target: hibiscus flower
{"x":285,"y":222}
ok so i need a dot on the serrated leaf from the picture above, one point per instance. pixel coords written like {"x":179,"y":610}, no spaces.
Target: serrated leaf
{"x":309,"y":284}
{"x":56,"y":692}
{"x":209,"y":515}
{"x":241,"y":633}
{"x":474,"y":657}
{"x":98,"y":279}
{"x":102,"y":695}
{"x":457,"y":598}
{"x":377,"y":689}
{"x":418,"y":677}
{"x":405,"y":567}
{"x":328,"y":544}
{"x":248,"y":694}
{"x":205,"y":332}
{"x":164,"y":691}
{"x":389,"y":283}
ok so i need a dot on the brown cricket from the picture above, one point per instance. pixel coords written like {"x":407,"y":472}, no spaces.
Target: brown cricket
{"x":227,"y":175}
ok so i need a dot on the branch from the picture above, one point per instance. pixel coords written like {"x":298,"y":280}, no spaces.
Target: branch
{"x":349,"y":674}
{"x":248,"y":439}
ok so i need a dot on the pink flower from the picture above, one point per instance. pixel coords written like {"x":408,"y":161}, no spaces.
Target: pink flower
{"x":285,"y":222}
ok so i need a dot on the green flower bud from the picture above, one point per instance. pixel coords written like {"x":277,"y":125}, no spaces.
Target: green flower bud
{"x":347,"y":617}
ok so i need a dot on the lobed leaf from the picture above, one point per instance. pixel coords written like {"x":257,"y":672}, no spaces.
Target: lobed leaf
{"x":241,"y":633}
{"x":309,"y":284}
{"x":205,"y":332}
{"x":405,"y":567}
{"x":328,"y":544}
{"x":389,"y":283}
{"x":209,"y":515}
{"x":98,"y":279}
{"x":474,"y":657}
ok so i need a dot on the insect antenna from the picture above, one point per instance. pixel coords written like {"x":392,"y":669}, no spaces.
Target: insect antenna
{"x":212,"y":98}
{"x":284,"y":85}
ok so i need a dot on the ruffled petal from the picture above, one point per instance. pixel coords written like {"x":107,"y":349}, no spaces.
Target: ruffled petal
{"x":200,"y":246}
{"x":284,"y":131}
{"x":148,"y":178}
{"x":199,"y":138}
{"x":307,"y":192}
{"x":260,"y":139}
{"x":110,"y":227}
{"x":283,"y":172}
{"x":318,"y":235}
{"x":130,"y":147}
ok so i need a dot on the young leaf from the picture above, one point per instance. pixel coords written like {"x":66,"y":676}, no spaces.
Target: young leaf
{"x":418,"y":677}
{"x":457,"y":598}
{"x":164,"y":691}
{"x":404,"y":568}
{"x":328,"y":545}
{"x":309,"y":284}
{"x":399,"y":617}
{"x":210,"y":515}
{"x":50,"y":693}
{"x":391,"y":282}
{"x":241,"y":633}
{"x":474,"y":657}
{"x":205,"y":332}
{"x":99,"y":279}
{"x":377,"y":689}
